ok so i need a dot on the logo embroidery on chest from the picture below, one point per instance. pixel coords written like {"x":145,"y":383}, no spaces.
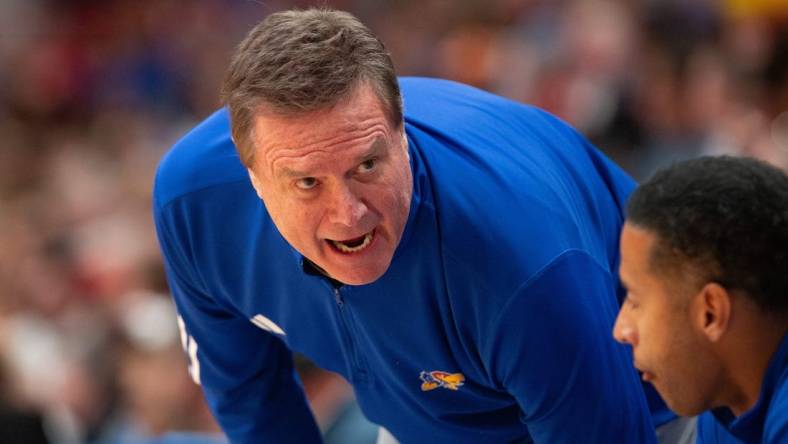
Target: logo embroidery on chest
{"x":436,"y":378}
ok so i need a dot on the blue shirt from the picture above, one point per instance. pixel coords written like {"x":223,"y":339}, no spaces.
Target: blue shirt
{"x":492,"y":323}
{"x":766,"y":422}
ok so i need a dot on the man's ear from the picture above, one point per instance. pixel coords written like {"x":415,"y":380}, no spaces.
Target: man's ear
{"x":255,"y":183}
{"x":712,"y":311}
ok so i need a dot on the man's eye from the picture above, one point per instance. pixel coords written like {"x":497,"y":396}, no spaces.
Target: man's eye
{"x":367,"y":166}
{"x":306,"y":183}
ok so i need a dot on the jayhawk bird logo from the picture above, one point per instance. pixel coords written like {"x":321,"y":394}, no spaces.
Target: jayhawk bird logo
{"x":436,"y":378}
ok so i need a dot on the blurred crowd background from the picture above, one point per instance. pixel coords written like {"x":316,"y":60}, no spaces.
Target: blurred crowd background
{"x":93,"y":92}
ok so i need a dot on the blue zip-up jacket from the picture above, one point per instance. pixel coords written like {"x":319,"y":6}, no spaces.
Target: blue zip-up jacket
{"x":766,"y":422}
{"x":492,"y":323}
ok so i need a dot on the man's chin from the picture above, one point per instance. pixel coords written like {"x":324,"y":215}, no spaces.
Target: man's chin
{"x":357,"y":276}
{"x":682,"y":407}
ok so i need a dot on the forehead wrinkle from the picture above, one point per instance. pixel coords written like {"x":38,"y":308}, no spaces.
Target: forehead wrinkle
{"x":301,"y":158}
{"x":323,"y":148}
{"x":347,"y":134}
{"x":338,"y":133}
{"x":374,"y":149}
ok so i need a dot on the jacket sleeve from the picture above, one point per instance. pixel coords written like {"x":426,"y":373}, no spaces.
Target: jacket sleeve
{"x":553,"y":351}
{"x":246,"y":374}
{"x":776,"y":427}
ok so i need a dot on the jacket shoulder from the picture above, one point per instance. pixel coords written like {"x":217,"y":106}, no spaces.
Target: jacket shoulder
{"x":203,"y":158}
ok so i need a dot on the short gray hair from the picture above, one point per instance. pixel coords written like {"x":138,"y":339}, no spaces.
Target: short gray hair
{"x":304,"y":60}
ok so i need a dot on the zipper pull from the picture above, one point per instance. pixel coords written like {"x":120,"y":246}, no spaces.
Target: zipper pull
{"x":338,"y":297}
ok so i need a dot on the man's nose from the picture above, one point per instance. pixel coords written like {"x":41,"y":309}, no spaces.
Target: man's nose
{"x":623,"y":331}
{"x":346,"y":208}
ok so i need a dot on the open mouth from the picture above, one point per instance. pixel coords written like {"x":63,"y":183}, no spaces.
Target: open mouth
{"x":353,"y":245}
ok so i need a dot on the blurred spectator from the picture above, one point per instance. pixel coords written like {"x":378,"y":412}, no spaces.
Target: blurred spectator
{"x":158,"y":394}
{"x":18,"y":424}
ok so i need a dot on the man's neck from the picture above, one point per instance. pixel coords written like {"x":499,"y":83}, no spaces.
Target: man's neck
{"x":313,"y":269}
{"x":749,"y":351}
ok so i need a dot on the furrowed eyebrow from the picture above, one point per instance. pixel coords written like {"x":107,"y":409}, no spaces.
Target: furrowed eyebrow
{"x":377,"y":149}
{"x":290,"y":173}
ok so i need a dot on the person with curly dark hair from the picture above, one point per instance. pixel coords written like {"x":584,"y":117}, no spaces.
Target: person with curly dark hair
{"x":704,"y":257}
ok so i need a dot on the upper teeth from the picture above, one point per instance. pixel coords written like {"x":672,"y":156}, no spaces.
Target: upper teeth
{"x":348,"y":249}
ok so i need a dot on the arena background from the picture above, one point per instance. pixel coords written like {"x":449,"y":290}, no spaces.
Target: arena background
{"x":92,"y":93}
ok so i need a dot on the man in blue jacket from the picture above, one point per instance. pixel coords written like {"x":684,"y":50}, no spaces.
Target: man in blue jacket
{"x":456,"y":262}
{"x":704,"y":254}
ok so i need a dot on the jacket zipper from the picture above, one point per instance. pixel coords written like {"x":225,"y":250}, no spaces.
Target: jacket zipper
{"x":359,"y":370}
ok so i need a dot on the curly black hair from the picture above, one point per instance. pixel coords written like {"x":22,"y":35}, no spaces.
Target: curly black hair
{"x":728,"y":217}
